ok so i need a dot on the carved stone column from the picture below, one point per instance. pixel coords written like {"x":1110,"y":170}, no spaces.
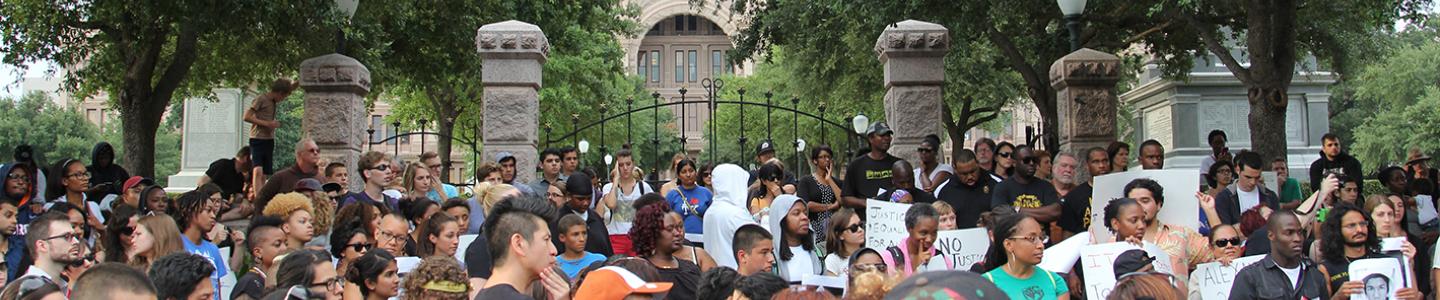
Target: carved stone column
{"x":913,"y":53}
{"x":335,"y":87}
{"x":1084,"y":83}
{"x":512,"y":53}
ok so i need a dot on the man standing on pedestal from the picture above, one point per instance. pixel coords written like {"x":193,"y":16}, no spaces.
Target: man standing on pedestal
{"x":869,"y":175}
{"x":262,"y":117}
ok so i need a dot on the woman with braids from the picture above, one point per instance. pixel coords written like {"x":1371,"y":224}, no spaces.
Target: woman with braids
{"x":437,"y":278}
{"x":1017,"y":244}
{"x":656,"y":237}
{"x":374,"y":275}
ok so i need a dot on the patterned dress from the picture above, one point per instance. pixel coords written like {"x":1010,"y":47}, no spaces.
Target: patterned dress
{"x":1185,"y":247}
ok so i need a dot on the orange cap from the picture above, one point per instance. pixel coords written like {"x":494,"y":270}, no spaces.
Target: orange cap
{"x":614,"y":283}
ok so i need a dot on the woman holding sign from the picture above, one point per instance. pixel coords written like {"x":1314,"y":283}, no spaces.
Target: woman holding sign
{"x":1017,"y":245}
{"x":1185,"y":246}
{"x":1125,"y":220}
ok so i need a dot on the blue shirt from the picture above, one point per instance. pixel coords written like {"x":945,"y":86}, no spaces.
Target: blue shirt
{"x":13,"y":256}
{"x":211,"y":253}
{"x":450,"y":192}
{"x":691,"y":204}
{"x":573,"y":267}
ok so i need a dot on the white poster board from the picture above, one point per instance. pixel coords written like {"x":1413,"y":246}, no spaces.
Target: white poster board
{"x":1382,"y":277}
{"x":465,"y":241}
{"x":1425,"y":208}
{"x":885,"y":223}
{"x":405,"y":264}
{"x":1098,"y":263}
{"x":963,"y":247}
{"x":1180,"y":209}
{"x":1212,"y":281}
{"x":1061,"y":257}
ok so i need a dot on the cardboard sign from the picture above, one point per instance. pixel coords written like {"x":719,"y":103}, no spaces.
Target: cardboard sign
{"x":1098,"y":262}
{"x":886,"y":223}
{"x":1212,"y":281}
{"x":963,"y":247}
{"x":1180,"y":208}
{"x":1382,"y":277}
{"x":465,"y":241}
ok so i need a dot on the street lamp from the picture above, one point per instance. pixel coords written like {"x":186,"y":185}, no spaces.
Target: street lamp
{"x":347,"y":9}
{"x":859,"y":123}
{"x":584,"y":146}
{"x":1072,"y":10}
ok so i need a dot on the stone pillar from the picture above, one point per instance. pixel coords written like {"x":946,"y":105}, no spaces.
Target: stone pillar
{"x":335,"y":117}
{"x":913,"y":53}
{"x":1084,"y":83}
{"x":512,"y":53}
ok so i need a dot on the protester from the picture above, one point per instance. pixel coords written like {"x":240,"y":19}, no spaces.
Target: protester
{"x":486,"y":195}
{"x":374,"y":275}
{"x":753,"y":250}
{"x":1288,"y":188}
{"x":195,"y":215}
{"x":931,"y":175}
{"x":947,"y":215}
{"x":694,"y":253}
{"x":308,"y":273}
{"x":440,"y":236}
{"x":1218,"y":151}
{"x":375,"y":172}
{"x":265,"y":241}
{"x":715,"y":284}
{"x":1284,"y":273}
{"x":153,"y":200}
{"x":520,"y":237}
{"x":1347,"y":235}
{"x":689,"y":199}
{"x":231,"y":174}
{"x":1119,"y":154}
{"x":1126,"y":220}
{"x":1062,"y":173}
{"x":1226,"y":243}
{"x":53,"y":243}
{"x":904,"y":190}
{"x":759,"y":286}
{"x":338,"y":174}
{"x":392,"y":235}
{"x":769,"y":186}
{"x":1333,"y":161}
{"x":1004,"y":162}
{"x":1045,"y":169}
{"x":155,"y":236}
{"x":11,"y":243}
{"x":419,"y":183}
{"x":619,"y":196}
{"x":656,"y":238}
{"x":870,"y":173}
{"x":431,"y":161}
{"x":439,"y":277}
{"x":550,"y":165}
{"x":262,"y":116}
{"x":1017,"y":244}
{"x":120,"y":231}
{"x":87,"y":260}
{"x":727,"y":214}
{"x":1152,"y":155}
{"x":1220,"y":177}
{"x":71,"y":188}
{"x":295,"y":210}
{"x":183,"y":276}
{"x":1023,"y":192}
{"x":1075,"y":205}
{"x":955,"y":284}
{"x":111,"y":281}
{"x":1155,"y":286}
{"x":573,"y":235}
{"x":105,"y":175}
{"x":793,"y":240}
{"x":846,"y":235}
{"x":616,"y":283}
{"x":576,"y":195}
{"x":1249,"y":191}
{"x":916,"y":253}
{"x":821,"y":189}
{"x":969,"y":192}
{"x":307,"y":165}
{"x":984,"y":149}
{"x":350,"y":243}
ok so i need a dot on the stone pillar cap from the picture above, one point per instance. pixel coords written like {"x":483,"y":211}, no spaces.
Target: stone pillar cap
{"x":1085,"y":66}
{"x":334,"y":73}
{"x":512,"y":40}
{"x":913,"y":38}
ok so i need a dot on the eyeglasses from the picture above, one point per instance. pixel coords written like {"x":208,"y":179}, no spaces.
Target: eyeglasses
{"x":1235,"y":241}
{"x":360,"y":247}
{"x":17,"y":176}
{"x":332,"y":283}
{"x":1032,"y":239}
{"x":853,"y":228}
{"x":1004,"y":154}
{"x":387,"y":236}
{"x":29,"y":284}
{"x":85,"y":174}
{"x":924,"y":150}
{"x":69,"y":236}
{"x":381,"y":167}
{"x":1031,"y":160}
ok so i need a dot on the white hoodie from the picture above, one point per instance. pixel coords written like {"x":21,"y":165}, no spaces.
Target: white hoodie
{"x":778,"y":209}
{"x":727,"y":213}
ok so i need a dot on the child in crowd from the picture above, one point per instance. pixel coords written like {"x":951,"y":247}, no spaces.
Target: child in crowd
{"x":947,"y":215}
{"x":573,"y":236}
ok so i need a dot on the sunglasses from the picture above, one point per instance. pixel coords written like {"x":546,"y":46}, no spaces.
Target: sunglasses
{"x":1235,"y":241}
{"x":129,"y":230}
{"x":360,"y":247}
{"x":1031,"y":160}
{"x":79,"y":263}
{"x":17,"y":176}
{"x":853,"y":228}
{"x":1004,"y":154}
{"x":381,"y":168}
{"x":924,"y":150}
{"x":879,"y":267}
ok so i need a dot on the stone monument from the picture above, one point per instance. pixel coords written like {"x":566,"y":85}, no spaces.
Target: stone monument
{"x":913,"y":53}
{"x":1084,"y":83}
{"x":211,"y":129}
{"x":512,"y":53}
{"x":335,"y":118}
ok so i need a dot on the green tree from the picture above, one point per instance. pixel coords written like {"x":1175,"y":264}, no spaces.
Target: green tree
{"x":1394,"y":99}
{"x":52,"y":131}
{"x":1390,"y":133}
{"x":146,"y":53}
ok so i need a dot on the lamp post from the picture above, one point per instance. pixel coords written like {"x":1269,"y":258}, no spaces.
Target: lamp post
{"x":347,"y":9}
{"x":584,"y":147}
{"x":1072,"y":10}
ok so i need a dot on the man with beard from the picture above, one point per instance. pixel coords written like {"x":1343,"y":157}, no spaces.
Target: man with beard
{"x":1075,"y":211}
{"x":970,"y":192}
{"x":13,"y":246}
{"x":869,"y":175}
{"x":1333,"y":160}
{"x":1062,"y":173}
{"x":195,"y":216}
{"x":53,"y":245}
{"x":1284,"y":273}
{"x":579,"y":191}
{"x":1248,"y":191}
{"x":1024,"y":193}
{"x":1347,"y":235}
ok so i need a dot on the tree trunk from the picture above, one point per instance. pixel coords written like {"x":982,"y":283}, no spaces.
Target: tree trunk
{"x":1267,"y":119}
{"x":139,"y":121}
{"x":447,"y":129}
{"x":1050,"y":120}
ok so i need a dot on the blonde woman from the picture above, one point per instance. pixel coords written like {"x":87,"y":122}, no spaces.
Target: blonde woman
{"x":420,"y":184}
{"x":156,"y":236}
{"x":486,"y":195}
{"x":295,"y":210}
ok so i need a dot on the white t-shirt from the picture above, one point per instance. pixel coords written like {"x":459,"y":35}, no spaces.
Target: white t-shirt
{"x":1294,"y":275}
{"x":839,"y":266}
{"x":1247,"y":199}
{"x":938,"y":169}
{"x":799,"y":264}
{"x":618,"y":220}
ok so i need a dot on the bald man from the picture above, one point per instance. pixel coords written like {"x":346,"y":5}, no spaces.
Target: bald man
{"x":1284,"y":273}
{"x":904,"y":182}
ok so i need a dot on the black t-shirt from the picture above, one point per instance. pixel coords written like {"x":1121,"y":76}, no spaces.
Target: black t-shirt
{"x":685,"y":277}
{"x":968,"y":201}
{"x":864,"y":177}
{"x":477,"y":257}
{"x":1075,"y":212}
{"x":250,"y":285}
{"x":501,"y":292}
{"x":222,"y":172}
{"x":1340,"y":270}
{"x":1038,"y":193}
{"x":916,"y":196}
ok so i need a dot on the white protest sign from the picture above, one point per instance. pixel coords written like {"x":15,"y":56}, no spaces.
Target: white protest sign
{"x":1180,"y":208}
{"x":405,"y":264}
{"x":885,"y":223}
{"x":1425,"y":207}
{"x":465,"y":241}
{"x":1061,"y":257}
{"x":1212,"y":281}
{"x":964,"y":247}
{"x":1382,"y":277}
{"x":1098,"y":263}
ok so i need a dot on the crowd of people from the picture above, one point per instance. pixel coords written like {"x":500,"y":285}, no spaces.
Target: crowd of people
{"x":88,"y":230}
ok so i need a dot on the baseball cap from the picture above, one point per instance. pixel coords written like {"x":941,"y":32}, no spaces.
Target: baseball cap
{"x":308,"y":184}
{"x":946,"y":285}
{"x":332,"y":187}
{"x":878,"y":128}
{"x":579,"y":185}
{"x":614,"y":283}
{"x":1131,"y":261}
{"x":764,"y":147}
{"x":136,"y":180}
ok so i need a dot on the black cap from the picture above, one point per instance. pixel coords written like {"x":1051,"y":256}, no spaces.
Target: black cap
{"x":878,"y":128}
{"x":1132,"y":261}
{"x":579,"y":185}
{"x":946,"y":285}
{"x":764,"y":147}
{"x":331,"y":187}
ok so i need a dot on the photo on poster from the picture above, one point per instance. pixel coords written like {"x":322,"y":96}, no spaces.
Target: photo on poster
{"x":1382,"y":277}
{"x":1180,"y":207}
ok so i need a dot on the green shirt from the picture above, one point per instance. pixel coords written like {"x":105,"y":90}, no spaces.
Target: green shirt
{"x":1042,"y":284}
{"x":1290,"y":192}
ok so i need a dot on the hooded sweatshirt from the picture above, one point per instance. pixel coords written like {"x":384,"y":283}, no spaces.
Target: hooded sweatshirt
{"x":16,"y":247}
{"x":778,"y":209}
{"x":1343,"y":164}
{"x":727,"y":213}
{"x":110,"y":173}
